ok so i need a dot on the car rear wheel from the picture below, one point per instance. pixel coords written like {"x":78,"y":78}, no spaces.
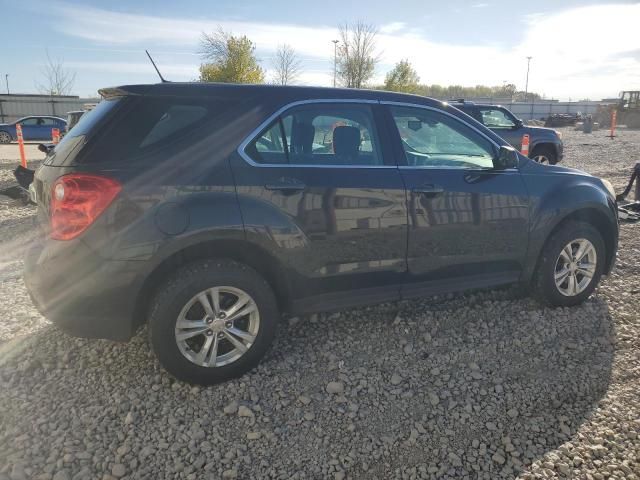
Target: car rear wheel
{"x":5,"y":138}
{"x":212,"y":321}
{"x":545,"y":155}
{"x":571,"y":265}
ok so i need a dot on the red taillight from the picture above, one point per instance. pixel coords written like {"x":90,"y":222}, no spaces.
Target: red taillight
{"x":77,"y":200}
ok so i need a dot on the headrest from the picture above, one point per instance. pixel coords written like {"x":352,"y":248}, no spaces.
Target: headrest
{"x":346,"y":141}
{"x":303,"y":135}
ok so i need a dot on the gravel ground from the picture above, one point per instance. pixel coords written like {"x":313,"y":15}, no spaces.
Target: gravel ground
{"x":484,"y":385}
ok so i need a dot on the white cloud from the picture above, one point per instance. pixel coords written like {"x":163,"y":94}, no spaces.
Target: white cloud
{"x":393,"y":27}
{"x":585,"y":51}
{"x":180,"y":70}
{"x":480,"y":5}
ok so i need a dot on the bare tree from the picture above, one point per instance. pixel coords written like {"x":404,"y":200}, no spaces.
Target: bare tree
{"x":287,"y":65}
{"x":56,"y":79}
{"x":357,"y":57}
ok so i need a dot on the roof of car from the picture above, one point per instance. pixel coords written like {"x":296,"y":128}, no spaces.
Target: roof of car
{"x":230,"y":90}
{"x":462,"y":104}
{"x":41,"y":116}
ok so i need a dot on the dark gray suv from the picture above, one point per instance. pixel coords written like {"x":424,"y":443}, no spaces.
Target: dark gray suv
{"x":545,"y":144}
{"x":206,"y":210}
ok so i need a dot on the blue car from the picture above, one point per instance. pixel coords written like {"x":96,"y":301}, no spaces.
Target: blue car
{"x":33,"y":128}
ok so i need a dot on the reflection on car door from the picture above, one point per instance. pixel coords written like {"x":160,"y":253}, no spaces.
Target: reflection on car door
{"x":468,"y":223}
{"x":338,"y":203}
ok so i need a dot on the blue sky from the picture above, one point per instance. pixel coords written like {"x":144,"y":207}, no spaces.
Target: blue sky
{"x":580,"y":49}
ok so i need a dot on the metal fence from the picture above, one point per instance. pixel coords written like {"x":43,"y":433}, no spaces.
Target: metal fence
{"x":13,"y":107}
{"x":541,"y":109}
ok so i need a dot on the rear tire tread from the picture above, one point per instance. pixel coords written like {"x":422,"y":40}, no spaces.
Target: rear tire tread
{"x":160,"y":319}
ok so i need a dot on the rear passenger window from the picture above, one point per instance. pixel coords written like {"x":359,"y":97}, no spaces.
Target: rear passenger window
{"x":319,"y":134}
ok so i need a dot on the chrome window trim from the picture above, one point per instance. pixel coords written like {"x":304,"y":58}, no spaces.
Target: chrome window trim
{"x":426,"y":107}
{"x":255,"y":132}
{"x":463,"y":169}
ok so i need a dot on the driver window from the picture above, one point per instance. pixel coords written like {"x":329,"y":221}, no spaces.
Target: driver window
{"x":432,"y":139}
{"x":493,"y":118}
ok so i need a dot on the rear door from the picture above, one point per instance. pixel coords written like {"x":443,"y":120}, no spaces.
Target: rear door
{"x":468,"y":222}
{"x":46,"y":126}
{"x":319,"y":189}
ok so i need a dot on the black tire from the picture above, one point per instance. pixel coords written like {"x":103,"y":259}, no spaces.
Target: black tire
{"x":5,"y":137}
{"x":545,"y":289}
{"x":183,"y":285}
{"x":547,"y":152}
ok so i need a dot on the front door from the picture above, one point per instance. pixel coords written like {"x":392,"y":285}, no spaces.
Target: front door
{"x":503,"y":123}
{"x":468,"y":222}
{"x":30,"y":128}
{"x":318,"y":189}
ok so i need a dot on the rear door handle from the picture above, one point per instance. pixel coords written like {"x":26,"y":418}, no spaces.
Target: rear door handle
{"x":290,"y":185}
{"x":429,"y":190}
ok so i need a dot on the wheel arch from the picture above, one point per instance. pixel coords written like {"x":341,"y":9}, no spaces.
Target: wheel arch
{"x":8,"y":132}
{"x":544,"y":144}
{"x":241,"y":251}
{"x":595,"y":217}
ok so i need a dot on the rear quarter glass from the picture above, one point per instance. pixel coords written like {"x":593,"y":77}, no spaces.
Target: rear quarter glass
{"x":149,"y":130}
{"x":89,"y":124}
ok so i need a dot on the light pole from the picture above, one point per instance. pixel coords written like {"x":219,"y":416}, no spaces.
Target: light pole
{"x":335,"y":60}
{"x":526,"y":85}
{"x":6,"y":79}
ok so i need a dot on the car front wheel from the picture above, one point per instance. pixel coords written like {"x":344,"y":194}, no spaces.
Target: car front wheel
{"x":5,"y":138}
{"x":545,"y":155}
{"x":212,"y":321}
{"x":571,"y":265}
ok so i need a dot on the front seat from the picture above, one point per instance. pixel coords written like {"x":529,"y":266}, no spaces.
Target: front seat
{"x":346,"y":144}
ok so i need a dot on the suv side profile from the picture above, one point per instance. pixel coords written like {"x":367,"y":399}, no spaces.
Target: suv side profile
{"x":207,"y":210}
{"x":545,"y":144}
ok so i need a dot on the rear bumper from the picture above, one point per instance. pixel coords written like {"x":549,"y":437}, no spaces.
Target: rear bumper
{"x":82,"y":293}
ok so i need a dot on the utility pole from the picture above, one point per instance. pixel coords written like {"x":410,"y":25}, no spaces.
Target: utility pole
{"x":6,"y":79}
{"x":526,"y":86}
{"x":335,"y":60}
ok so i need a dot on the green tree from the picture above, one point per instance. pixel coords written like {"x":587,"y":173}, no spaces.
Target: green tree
{"x":403,"y":78}
{"x":229,"y":59}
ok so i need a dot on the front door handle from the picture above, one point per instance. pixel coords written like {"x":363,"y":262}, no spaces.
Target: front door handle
{"x":429,"y":190}
{"x":287,"y":185}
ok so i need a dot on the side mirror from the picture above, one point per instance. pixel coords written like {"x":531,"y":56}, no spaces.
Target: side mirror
{"x":519,"y":123}
{"x":507,"y":158}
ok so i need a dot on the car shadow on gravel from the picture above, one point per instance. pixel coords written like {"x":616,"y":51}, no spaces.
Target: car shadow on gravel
{"x":479,"y":385}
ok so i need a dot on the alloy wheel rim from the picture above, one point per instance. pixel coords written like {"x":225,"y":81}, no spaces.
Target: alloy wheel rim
{"x":4,"y":137}
{"x":217,"y":326}
{"x":575,"y":267}
{"x":541,"y":159}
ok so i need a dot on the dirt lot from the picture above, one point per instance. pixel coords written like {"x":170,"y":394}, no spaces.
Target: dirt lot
{"x":485,"y":385}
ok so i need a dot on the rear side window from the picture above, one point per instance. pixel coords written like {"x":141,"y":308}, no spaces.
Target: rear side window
{"x":322,"y":134}
{"x":175,"y":119}
{"x":153,"y":129}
